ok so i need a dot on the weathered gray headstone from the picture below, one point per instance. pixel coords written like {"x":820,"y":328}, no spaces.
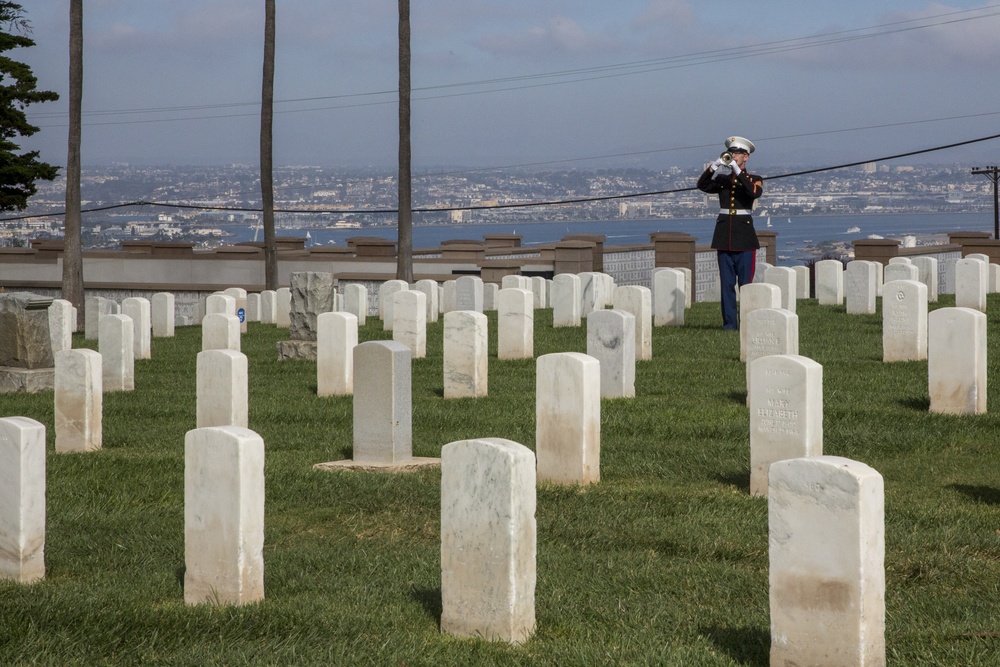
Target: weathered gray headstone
{"x":312,"y":293}
{"x":24,"y":330}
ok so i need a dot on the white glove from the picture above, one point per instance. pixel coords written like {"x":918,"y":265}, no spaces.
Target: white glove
{"x":736,"y":168}
{"x":715,"y":165}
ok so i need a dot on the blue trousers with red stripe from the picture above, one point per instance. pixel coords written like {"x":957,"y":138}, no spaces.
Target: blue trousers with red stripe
{"x":736,"y":267}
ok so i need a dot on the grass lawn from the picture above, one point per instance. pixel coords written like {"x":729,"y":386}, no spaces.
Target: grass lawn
{"x":663,"y":562}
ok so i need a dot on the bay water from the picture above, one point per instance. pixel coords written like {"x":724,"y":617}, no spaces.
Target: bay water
{"x":797,"y":239}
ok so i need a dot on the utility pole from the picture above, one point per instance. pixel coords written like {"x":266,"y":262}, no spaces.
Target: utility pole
{"x":993,"y":172}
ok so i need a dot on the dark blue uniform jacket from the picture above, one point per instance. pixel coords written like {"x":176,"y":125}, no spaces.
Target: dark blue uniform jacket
{"x":733,"y":231}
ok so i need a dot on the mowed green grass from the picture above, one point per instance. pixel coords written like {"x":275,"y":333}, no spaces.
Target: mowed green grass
{"x":664,"y":562}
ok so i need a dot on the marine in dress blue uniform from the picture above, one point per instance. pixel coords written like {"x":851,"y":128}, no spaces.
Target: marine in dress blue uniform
{"x":735,"y":238}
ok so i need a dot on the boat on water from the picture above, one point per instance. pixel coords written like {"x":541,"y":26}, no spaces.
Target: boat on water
{"x":853,"y":230}
{"x":768,"y":221}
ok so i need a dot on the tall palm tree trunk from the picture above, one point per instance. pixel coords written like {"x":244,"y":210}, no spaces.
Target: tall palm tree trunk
{"x":266,"y":151}
{"x":72,"y":269}
{"x":404,"y":256}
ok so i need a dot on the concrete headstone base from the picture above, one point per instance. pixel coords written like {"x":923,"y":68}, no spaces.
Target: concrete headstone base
{"x":414,"y":464}
{"x":29,"y":380}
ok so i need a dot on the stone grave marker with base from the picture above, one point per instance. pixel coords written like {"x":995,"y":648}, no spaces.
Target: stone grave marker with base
{"x":26,"y":362}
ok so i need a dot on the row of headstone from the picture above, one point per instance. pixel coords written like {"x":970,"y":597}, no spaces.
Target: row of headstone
{"x":151,"y":318}
{"x":223,"y":509}
{"x":862,"y":281}
{"x":825,"y":534}
{"x":826,"y":529}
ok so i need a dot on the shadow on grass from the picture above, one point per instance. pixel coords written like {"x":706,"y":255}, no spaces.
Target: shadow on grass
{"x":922,"y":404}
{"x":981,"y":494}
{"x":739,"y":480}
{"x":746,"y":646}
{"x":738,"y":397}
{"x":430,"y":600}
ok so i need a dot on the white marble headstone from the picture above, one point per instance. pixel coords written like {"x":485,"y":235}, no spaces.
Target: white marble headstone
{"x":488,"y":540}
{"x":466,"y":354}
{"x":904,"y":320}
{"x":826,"y":539}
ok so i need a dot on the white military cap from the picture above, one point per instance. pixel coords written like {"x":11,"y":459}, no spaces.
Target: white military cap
{"x":739,"y":144}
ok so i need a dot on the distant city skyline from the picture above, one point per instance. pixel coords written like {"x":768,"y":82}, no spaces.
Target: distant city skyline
{"x":560,"y":84}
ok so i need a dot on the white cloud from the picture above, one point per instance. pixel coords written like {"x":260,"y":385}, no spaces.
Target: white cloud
{"x":558,"y":35}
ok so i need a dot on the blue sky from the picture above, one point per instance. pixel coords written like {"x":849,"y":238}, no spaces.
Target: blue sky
{"x":585,"y":84}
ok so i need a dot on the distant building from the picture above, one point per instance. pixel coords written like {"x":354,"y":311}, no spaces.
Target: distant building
{"x":633,"y":210}
{"x":868,"y":168}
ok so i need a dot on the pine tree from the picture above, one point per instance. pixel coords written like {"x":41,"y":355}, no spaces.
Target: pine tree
{"x":18,"y":171}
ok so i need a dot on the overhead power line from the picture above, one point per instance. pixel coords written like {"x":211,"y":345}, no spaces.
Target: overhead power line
{"x":559,"y":77}
{"x":559,"y":202}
